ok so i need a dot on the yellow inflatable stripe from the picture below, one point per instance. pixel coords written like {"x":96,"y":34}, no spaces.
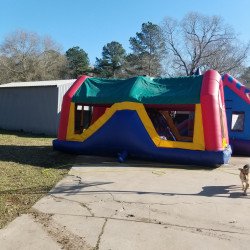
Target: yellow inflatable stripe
{"x":198,"y":139}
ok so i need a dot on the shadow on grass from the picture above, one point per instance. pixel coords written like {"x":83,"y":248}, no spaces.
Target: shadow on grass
{"x":43,"y":189}
{"x":21,"y":133}
{"x":39,"y":156}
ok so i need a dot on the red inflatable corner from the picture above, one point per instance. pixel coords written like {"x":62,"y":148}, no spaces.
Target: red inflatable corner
{"x":210,"y":103}
{"x":63,"y":125}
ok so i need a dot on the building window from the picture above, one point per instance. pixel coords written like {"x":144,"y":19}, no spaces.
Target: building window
{"x":238,"y":119}
{"x":83,"y":116}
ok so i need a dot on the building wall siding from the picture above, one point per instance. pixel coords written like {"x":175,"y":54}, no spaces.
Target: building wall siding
{"x":62,"y":89}
{"x":31,"y":109}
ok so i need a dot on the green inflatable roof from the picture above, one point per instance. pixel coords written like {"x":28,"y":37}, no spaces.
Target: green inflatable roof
{"x":141,"y":89}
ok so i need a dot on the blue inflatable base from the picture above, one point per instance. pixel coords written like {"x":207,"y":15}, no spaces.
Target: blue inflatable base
{"x":124,"y":135}
{"x":178,"y":156}
{"x":240,"y":147}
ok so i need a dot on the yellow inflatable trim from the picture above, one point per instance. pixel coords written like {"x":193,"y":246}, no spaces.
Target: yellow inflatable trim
{"x":198,"y":138}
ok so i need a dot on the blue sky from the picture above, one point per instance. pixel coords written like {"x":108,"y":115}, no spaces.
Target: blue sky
{"x":92,"y":24}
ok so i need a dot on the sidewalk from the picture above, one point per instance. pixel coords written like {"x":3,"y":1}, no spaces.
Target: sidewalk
{"x":135,"y":206}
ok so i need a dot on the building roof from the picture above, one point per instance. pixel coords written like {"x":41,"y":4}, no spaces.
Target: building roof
{"x":37,"y":83}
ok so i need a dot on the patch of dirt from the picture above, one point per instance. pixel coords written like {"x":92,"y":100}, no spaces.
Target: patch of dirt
{"x":66,"y":239}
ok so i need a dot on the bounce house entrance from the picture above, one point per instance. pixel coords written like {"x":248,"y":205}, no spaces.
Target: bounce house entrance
{"x":172,"y":125}
{"x":83,"y":115}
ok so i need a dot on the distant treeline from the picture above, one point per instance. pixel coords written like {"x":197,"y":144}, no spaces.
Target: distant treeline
{"x":173,"y":48}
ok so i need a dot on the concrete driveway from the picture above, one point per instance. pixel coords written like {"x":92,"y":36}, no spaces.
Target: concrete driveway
{"x":138,"y":205}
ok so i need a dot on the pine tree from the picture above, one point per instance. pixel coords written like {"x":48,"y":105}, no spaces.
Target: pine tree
{"x":112,"y":61}
{"x":77,"y":62}
{"x":147,"y":51}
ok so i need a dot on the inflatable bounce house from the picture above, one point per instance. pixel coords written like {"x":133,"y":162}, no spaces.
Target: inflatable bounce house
{"x":179,"y":120}
{"x":237,"y":100}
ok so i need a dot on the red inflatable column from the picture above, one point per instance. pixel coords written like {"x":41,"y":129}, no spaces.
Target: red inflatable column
{"x":224,"y":116}
{"x":210,"y":92}
{"x":63,"y":125}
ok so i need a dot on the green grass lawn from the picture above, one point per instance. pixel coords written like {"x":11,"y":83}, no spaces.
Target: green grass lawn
{"x":29,"y":168}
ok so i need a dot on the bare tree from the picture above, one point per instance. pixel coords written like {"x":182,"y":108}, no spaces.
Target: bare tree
{"x":25,"y":56}
{"x":245,"y":77}
{"x":205,"y":42}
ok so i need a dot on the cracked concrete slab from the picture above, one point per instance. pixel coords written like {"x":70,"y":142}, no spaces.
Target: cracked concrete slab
{"x":137,"y":205}
{"x":87,"y":227}
{"x":148,"y":236}
{"x":56,"y":205}
{"x":24,"y":233}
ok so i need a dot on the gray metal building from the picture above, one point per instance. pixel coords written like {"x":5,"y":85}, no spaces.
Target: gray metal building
{"x":32,"y":106}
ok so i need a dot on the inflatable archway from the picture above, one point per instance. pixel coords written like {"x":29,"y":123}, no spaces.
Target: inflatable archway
{"x":141,"y":116}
